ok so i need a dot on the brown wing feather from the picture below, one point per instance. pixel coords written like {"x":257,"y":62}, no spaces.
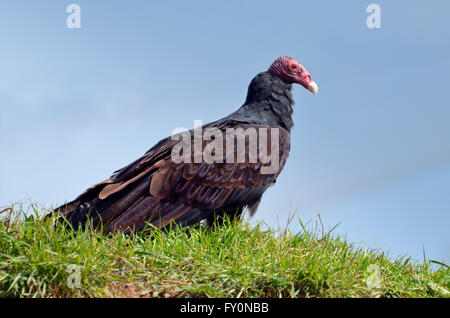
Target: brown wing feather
{"x":154,"y":188}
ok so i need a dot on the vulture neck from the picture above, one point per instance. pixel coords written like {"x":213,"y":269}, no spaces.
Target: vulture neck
{"x":269,"y":101}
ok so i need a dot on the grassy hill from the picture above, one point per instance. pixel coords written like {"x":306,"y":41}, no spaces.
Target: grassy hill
{"x":38,"y":259}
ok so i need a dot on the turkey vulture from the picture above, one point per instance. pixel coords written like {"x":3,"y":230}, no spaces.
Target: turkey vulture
{"x":159,"y":190}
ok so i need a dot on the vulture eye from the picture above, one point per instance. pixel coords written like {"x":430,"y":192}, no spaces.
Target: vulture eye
{"x":293,"y":66}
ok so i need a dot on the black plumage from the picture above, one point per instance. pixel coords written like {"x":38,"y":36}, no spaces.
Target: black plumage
{"x":154,"y":189}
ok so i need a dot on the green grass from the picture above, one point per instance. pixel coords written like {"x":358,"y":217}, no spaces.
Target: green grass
{"x":38,"y":259}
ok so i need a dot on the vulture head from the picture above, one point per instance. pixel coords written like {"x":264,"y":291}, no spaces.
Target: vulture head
{"x":290,"y":71}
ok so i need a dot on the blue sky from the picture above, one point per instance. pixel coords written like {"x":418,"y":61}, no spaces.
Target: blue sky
{"x":371,"y":151}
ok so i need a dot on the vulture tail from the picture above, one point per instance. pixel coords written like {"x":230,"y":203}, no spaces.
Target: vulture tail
{"x":88,"y":207}
{"x":129,"y":209}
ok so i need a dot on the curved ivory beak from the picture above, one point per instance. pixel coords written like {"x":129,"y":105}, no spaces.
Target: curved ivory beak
{"x":313,"y":88}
